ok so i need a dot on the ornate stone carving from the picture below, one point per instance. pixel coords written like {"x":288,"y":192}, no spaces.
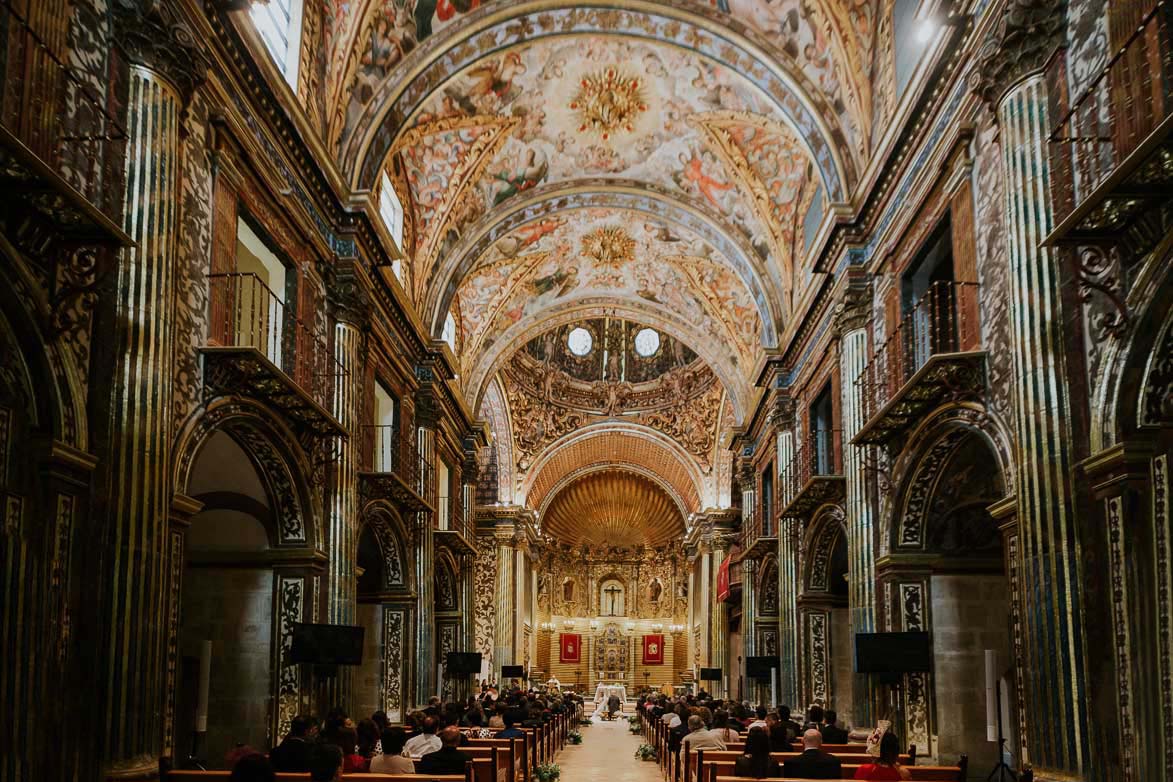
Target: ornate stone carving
{"x":1156,"y":407}
{"x":394,"y":621}
{"x":855,"y":308}
{"x":290,"y":610}
{"x":1164,"y":568}
{"x":817,"y":656}
{"x":1027,"y":35}
{"x":917,"y":689}
{"x":152,"y":34}
{"x":348,"y":295}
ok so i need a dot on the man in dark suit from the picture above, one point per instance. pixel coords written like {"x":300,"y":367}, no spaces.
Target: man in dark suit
{"x":813,"y":763}
{"x":447,"y":759}
{"x":293,"y":753}
{"x":832,"y":733}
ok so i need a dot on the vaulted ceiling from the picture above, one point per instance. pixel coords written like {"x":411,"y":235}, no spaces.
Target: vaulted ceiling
{"x":613,"y":507}
{"x":666,"y":164}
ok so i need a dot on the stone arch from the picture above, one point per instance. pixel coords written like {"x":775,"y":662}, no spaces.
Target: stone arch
{"x":641,"y":446}
{"x":1135,"y":387}
{"x":403,"y":90}
{"x":828,"y":527}
{"x":918,"y":468}
{"x":447,"y":582}
{"x":392,"y":540}
{"x":276,"y":454}
{"x":761,"y":281}
{"x":492,"y":360}
{"x":768,"y":588}
{"x":59,"y":403}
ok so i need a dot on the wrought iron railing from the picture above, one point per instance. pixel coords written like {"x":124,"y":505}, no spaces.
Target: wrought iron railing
{"x":456,"y":520}
{"x":1119,"y":108}
{"x":817,"y":455}
{"x":396,"y":454}
{"x":944,"y":320}
{"x":56,"y":111}
{"x":757,"y":526}
{"x":245,"y":312}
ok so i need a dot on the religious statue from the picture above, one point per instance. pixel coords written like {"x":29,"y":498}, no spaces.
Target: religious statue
{"x":568,"y":590}
{"x":654,"y":591}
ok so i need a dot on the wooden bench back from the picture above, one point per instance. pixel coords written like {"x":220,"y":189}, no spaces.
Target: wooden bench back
{"x":218,"y":776}
{"x":713,"y":768}
{"x":918,"y":774}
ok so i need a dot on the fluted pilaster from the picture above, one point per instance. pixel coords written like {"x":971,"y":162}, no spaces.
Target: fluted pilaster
{"x":1049,"y":548}
{"x":789,"y":537}
{"x":136,"y":467}
{"x":342,"y":527}
{"x":505,"y":615}
{"x":425,"y":565}
{"x":718,"y":621}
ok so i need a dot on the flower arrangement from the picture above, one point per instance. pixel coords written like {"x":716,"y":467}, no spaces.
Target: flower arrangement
{"x":634,"y":725}
{"x":574,"y":737}
{"x":586,"y":722}
{"x":548,"y":772}
{"x":645,"y":752}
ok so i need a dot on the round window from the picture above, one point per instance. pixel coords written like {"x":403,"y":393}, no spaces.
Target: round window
{"x":579,"y":341}
{"x":647,"y":342}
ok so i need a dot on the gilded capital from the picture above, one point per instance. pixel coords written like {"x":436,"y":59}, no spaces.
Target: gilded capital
{"x":855,"y":307}
{"x":1027,"y":35}
{"x":349,"y":294}
{"x":152,"y":34}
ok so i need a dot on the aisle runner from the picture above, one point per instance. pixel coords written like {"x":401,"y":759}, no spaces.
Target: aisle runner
{"x":607,"y":752}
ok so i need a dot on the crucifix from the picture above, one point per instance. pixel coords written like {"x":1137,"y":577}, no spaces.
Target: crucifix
{"x":612,"y":592}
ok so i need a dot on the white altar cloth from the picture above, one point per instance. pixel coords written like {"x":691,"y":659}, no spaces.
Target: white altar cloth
{"x":605,"y":691}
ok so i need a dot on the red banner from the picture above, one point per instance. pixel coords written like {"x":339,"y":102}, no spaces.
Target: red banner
{"x":723,"y":581}
{"x":571,"y":651}
{"x":654,"y":649}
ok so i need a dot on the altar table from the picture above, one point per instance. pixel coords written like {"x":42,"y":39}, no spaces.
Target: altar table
{"x":605,"y":691}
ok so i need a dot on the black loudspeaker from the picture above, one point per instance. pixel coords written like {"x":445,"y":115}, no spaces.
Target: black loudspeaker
{"x":892,"y":653}
{"x":710,"y":674}
{"x":760,"y":667}
{"x":462,"y":663}
{"x":512,"y":671}
{"x":327,"y":644}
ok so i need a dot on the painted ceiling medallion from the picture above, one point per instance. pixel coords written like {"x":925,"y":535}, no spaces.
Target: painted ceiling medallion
{"x":608,"y":102}
{"x":609,"y":246}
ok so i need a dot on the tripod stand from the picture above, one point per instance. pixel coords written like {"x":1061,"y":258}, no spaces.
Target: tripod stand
{"x":1000,"y":771}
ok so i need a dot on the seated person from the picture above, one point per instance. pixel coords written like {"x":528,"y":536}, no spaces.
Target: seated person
{"x":427,"y":740}
{"x":510,"y":732}
{"x":756,"y":762}
{"x":813,"y":763}
{"x":293,"y":753}
{"x":326,"y":763}
{"x":613,"y":705}
{"x":392,"y":761}
{"x":833,"y":734}
{"x":448,"y":759}
{"x":253,"y":768}
{"x":699,"y":736}
{"x":887,"y":766}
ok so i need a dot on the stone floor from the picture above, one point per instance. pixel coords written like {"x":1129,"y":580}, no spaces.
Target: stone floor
{"x":607,"y":753}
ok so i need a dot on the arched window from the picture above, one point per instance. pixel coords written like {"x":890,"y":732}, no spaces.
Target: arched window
{"x":278,"y":22}
{"x":391,"y":210}
{"x":449,"y":333}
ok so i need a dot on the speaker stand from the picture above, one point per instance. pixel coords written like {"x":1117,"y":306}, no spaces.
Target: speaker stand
{"x":1001,"y":771}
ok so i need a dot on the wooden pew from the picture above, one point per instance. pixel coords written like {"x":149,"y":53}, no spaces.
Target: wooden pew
{"x":711,"y":764}
{"x":918,"y":774}
{"x":512,"y":761}
{"x":222,"y":776}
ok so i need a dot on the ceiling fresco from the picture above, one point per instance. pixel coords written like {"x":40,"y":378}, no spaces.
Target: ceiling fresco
{"x":608,"y":168}
{"x":592,"y":253}
{"x":557,"y":109}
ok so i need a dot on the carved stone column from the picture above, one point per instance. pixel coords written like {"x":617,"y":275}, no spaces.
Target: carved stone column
{"x":349,"y":307}
{"x":851,"y":325}
{"x":749,"y":616}
{"x":789,"y":569}
{"x":1012,"y":80}
{"x":425,"y":551}
{"x":789,"y":535}
{"x":718,"y":620}
{"x":132,"y":389}
{"x":505,"y":614}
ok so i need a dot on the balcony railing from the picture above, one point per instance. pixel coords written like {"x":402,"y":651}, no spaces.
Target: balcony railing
{"x":54,"y":112}
{"x":453,"y":529}
{"x":814,"y":476}
{"x":259,"y":347}
{"x":932,"y":351}
{"x":398,"y":470}
{"x":1112,"y":126}
{"x":758,"y":534}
